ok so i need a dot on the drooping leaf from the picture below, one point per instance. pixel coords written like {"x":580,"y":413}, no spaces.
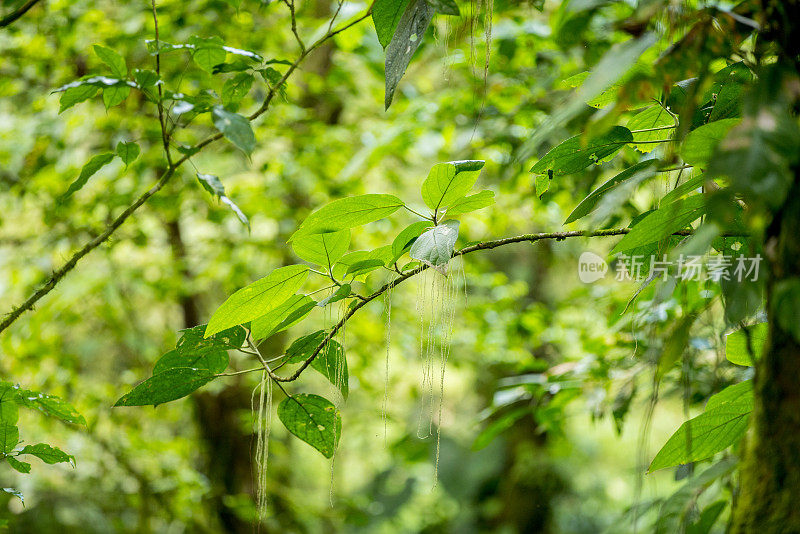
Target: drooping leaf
{"x":127,"y":152}
{"x":9,"y":437}
{"x":166,"y":386}
{"x":541,"y":184}
{"x":18,"y":465}
{"x":115,"y":94}
{"x":260,"y":297}
{"x":406,"y":39}
{"x":348,"y":213}
{"x":705,"y":435}
{"x":322,"y":249}
{"x":342,"y":292}
{"x":449,"y":182}
{"x":406,"y":238}
{"x":47,"y":453}
{"x":235,"y":128}
{"x":701,"y":142}
{"x":75,"y":95}
{"x":90,"y":168}
{"x":657,"y":121}
{"x":575,"y":154}
{"x":9,"y":409}
{"x":590,"y":202}
{"x":114,"y":61}
{"x":330,"y":362}
{"x":213,"y":360}
{"x":313,"y":419}
{"x":736,"y":347}
{"x":435,"y":246}
{"x":662,"y":222}
{"x":213,"y":185}
{"x":208,"y":52}
{"x":51,"y":406}
{"x":295,"y":309}
{"x":15,"y":493}
{"x":479,"y":200}
{"x":386,"y":14}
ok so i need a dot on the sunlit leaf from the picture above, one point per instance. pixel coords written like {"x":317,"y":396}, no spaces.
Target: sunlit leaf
{"x":470,"y":203}
{"x":89,"y":169}
{"x":114,"y":61}
{"x":348,"y":213}
{"x":448,"y":182}
{"x":435,"y":246}
{"x":322,"y":249}
{"x":736,"y":347}
{"x":576,"y":153}
{"x":663,"y":222}
{"x":287,"y":314}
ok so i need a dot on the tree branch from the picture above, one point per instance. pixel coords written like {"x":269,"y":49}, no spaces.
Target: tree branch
{"x":14,"y":15}
{"x":165,"y":177}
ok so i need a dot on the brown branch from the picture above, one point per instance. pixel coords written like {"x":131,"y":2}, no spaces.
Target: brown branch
{"x":162,"y":181}
{"x":14,"y":15}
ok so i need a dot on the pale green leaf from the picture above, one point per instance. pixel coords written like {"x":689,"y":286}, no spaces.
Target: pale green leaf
{"x":75,"y":95}
{"x":89,"y":169}
{"x":341,"y":293}
{"x":115,"y":94}
{"x":736,"y":348}
{"x":348,"y":213}
{"x":435,"y":246}
{"x":260,"y":297}
{"x":236,"y":129}
{"x":449,"y":182}
{"x":657,"y":121}
{"x":296,"y":308}
{"x":470,"y":203}
{"x":699,"y":145}
{"x":406,"y":238}
{"x":127,"y":152}
{"x":114,"y":61}
{"x":731,"y":393}
{"x":322,"y":249}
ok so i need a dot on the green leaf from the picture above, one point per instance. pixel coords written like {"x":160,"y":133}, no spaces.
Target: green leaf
{"x":47,"y":453}
{"x":445,"y":7}
{"x":167,"y":386}
{"x":406,"y":238}
{"x":75,"y":95}
{"x":590,"y":202}
{"x":235,"y":128}
{"x":701,"y":142}
{"x":19,"y":465}
{"x":449,"y":182}
{"x":386,"y":14}
{"x":295,"y":309}
{"x":470,"y":203}
{"x":348,"y":213}
{"x":194,"y":340}
{"x":213,"y":185}
{"x":435,"y":246}
{"x":663,"y":222}
{"x":260,"y":297}
{"x":657,"y":120}
{"x":145,"y":78}
{"x":9,"y":409}
{"x":541,"y":184}
{"x":208,"y":52}
{"x":573,"y":155}
{"x":705,"y":435}
{"x":9,"y":437}
{"x":675,"y":343}
{"x":51,"y":406}
{"x":313,"y":419}
{"x":89,"y":169}
{"x":731,"y":393}
{"x":330,"y":362}
{"x":406,"y":39}
{"x":736,"y":350}
{"x":235,"y":89}
{"x":689,"y":186}
{"x":708,"y":517}
{"x":114,"y":61}
{"x":364,"y":266}
{"x":127,"y":152}
{"x":341,"y":293}
{"x":322,"y":249}
{"x":115,"y":94}
{"x":213,"y":360}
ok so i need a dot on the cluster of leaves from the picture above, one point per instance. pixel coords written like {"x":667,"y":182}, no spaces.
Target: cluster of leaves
{"x":12,"y":397}
{"x":274,"y":303}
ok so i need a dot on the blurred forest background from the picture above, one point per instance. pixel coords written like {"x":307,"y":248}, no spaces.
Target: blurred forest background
{"x":548,"y":423}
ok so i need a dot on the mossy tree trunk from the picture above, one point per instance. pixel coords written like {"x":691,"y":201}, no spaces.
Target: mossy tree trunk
{"x":769,"y":488}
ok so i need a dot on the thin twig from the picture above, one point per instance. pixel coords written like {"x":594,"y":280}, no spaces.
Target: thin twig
{"x":14,"y":15}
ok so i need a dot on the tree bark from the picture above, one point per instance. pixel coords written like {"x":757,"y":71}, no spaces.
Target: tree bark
{"x":769,"y":485}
